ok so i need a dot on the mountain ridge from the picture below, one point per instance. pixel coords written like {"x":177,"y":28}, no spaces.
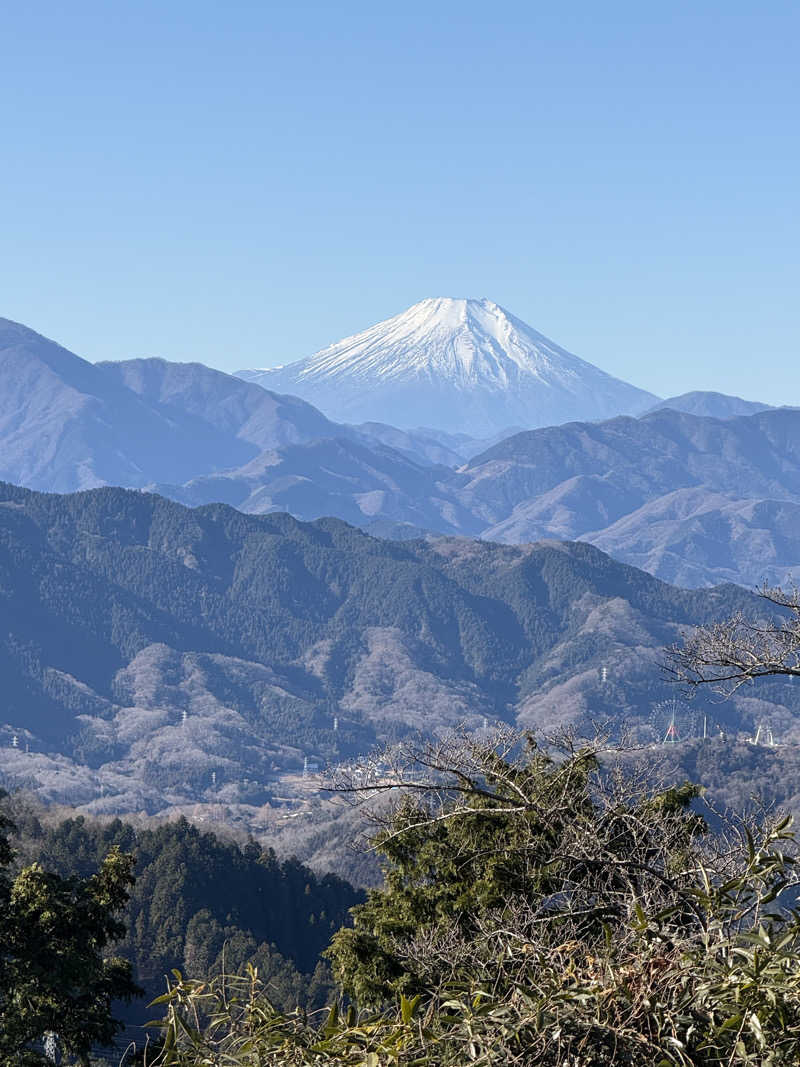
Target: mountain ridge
{"x":692,"y":499}
{"x":708,"y":402}
{"x":156,"y":656}
{"x":67,"y":424}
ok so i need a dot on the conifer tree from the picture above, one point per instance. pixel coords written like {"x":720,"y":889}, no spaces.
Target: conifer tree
{"x":57,"y":980}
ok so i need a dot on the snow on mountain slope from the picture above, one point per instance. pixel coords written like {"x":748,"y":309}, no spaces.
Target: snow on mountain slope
{"x":458,"y":365}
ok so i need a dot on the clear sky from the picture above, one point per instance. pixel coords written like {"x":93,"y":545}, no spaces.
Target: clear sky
{"x":243,"y":183}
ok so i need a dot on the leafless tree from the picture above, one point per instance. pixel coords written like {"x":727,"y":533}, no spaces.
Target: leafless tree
{"x":725,"y":655}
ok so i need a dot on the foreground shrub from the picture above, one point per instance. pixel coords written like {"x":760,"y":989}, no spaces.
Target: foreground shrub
{"x":539,"y":911}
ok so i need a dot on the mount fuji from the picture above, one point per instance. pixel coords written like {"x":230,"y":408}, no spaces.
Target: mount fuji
{"x":463,"y":366}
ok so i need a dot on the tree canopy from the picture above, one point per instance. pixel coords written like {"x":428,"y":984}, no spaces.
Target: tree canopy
{"x":57,"y":980}
{"x":539,"y":909}
{"x":741,"y":648}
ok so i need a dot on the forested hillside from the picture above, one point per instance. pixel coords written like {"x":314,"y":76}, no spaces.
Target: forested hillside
{"x":200,"y":903}
{"x":156,"y":656}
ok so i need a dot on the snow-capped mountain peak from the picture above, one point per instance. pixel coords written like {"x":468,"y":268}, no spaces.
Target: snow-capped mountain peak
{"x":457,"y":364}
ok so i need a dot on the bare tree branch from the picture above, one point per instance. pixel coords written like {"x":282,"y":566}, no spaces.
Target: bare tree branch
{"x":726,"y":655}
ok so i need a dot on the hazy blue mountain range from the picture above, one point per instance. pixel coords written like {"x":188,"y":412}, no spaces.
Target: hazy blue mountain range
{"x":350,"y":479}
{"x":465,"y":366}
{"x":146,"y":647}
{"x":69,"y":424}
{"x":715,"y":405}
{"x":692,"y":499}
{"x":266,"y":420}
{"x":191,"y":390}
{"x":66,"y":424}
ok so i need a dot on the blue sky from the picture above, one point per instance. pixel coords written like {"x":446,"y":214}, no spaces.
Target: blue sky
{"x":244,"y":183}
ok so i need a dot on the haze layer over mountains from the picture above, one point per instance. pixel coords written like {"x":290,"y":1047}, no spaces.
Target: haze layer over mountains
{"x":700,"y":488}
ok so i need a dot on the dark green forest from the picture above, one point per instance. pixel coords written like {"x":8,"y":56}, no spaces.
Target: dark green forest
{"x":153,"y":645}
{"x":200,"y":904}
{"x":539,"y":910}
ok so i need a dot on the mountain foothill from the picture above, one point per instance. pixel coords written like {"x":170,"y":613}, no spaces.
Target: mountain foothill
{"x":208,"y":580}
{"x":157,"y":656}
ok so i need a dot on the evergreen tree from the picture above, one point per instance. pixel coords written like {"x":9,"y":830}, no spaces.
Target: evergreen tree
{"x":57,"y":982}
{"x":539,"y":912}
{"x":485,"y":837}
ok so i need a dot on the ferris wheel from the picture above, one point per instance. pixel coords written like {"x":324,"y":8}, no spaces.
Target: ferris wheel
{"x":673,"y":721}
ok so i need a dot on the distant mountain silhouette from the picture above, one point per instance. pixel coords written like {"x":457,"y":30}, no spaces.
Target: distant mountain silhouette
{"x":351,"y":479}
{"x":69,"y":424}
{"x":692,"y":499}
{"x":221,"y":402}
{"x":66,"y":424}
{"x":715,"y":405}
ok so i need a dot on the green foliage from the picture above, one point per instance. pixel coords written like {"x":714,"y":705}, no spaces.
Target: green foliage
{"x":544,"y":913}
{"x":447,"y":868}
{"x":204,"y":906}
{"x":55,"y":974}
{"x":230,"y":1022}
